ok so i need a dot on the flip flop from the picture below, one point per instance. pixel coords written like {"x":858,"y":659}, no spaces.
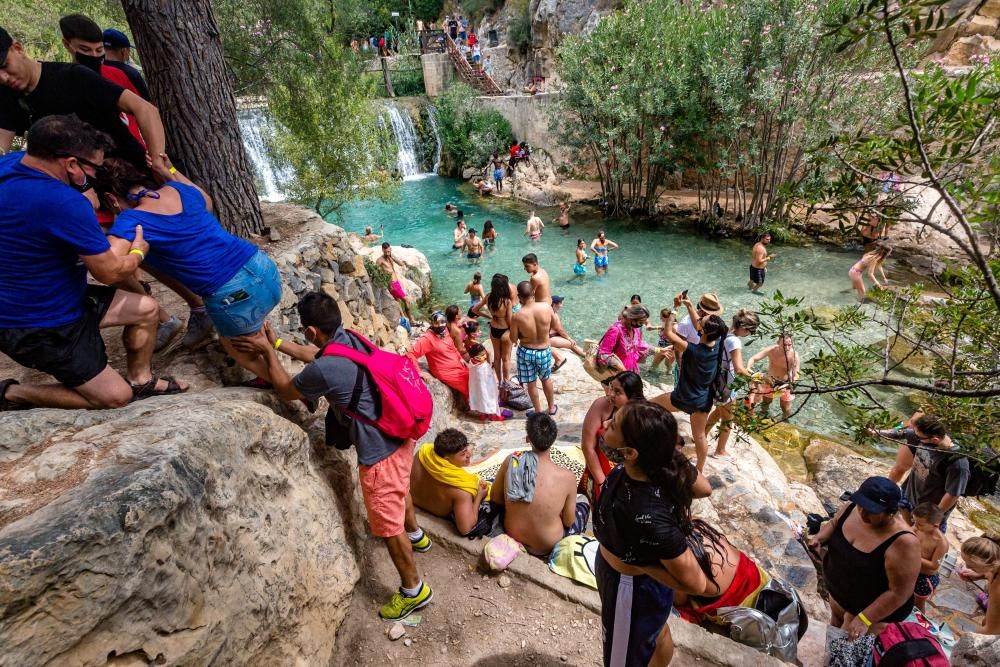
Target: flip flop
{"x":5,"y":405}
{"x":559,"y":365}
{"x":554,"y":410}
{"x":148,"y":389}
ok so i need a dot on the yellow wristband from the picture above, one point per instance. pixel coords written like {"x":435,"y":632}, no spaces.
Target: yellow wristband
{"x":172,"y":170}
{"x":277,"y":343}
{"x":136,"y":251}
{"x":864,"y":619}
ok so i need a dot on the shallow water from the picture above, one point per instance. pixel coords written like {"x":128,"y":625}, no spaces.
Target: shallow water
{"x":653,"y":262}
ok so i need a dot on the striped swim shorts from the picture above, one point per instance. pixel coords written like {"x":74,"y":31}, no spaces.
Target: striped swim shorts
{"x":533,"y":364}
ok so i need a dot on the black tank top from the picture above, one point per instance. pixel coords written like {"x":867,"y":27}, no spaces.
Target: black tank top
{"x":856,"y":578}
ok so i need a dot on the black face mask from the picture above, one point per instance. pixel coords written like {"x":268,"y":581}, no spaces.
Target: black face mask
{"x":82,"y":187}
{"x":90,"y":62}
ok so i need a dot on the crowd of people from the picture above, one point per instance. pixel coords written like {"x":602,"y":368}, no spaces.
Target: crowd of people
{"x":94,"y":192}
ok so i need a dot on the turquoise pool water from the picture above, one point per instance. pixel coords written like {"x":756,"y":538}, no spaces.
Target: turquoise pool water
{"x":652,"y":262}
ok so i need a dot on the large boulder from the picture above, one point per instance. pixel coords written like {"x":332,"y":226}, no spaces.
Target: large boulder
{"x":974,"y":650}
{"x":179,"y":530}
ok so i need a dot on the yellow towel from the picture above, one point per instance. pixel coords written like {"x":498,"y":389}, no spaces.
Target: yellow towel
{"x":447,"y":472}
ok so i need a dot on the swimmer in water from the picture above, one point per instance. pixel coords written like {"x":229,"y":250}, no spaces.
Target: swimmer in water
{"x":563,"y":219}
{"x":458,"y":241}
{"x":370,"y":236}
{"x":601,"y":247}
{"x":474,"y":288}
{"x":534,"y":228}
{"x":580,"y":267}
{"x":473,"y":246}
{"x":490,"y":235}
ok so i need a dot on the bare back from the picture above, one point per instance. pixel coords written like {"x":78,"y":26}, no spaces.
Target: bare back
{"x":538,"y":525}
{"x":534,"y":321}
{"x":431,"y":495}
{"x":541,"y":284}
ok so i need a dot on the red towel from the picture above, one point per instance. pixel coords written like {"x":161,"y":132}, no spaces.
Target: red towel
{"x":742,"y":592}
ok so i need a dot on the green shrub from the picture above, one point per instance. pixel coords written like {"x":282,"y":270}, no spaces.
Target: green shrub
{"x":469,"y":133}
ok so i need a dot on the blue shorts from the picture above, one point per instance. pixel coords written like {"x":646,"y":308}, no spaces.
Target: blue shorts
{"x":241,"y":305}
{"x":633,"y":612}
{"x":926,"y":584}
{"x":498,"y":175}
{"x":579,"y":269}
{"x":533,"y":364}
{"x":600,"y":261}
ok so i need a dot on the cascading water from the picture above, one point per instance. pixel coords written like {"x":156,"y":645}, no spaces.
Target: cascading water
{"x":432,"y":119}
{"x":407,"y":142}
{"x":255,"y":127}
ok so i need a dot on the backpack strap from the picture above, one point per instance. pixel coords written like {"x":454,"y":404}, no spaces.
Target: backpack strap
{"x":360,"y":360}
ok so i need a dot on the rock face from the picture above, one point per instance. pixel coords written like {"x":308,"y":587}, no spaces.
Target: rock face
{"x":415,"y":274}
{"x":976,"y":651}
{"x":974,"y":35}
{"x":178,"y":530}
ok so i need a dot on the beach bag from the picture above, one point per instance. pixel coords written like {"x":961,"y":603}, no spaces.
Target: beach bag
{"x":774,"y":625}
{"x":908,"y":645}
{"x":514,"y":397}
{"x":404,"y":404}
{"x":594,"y":368}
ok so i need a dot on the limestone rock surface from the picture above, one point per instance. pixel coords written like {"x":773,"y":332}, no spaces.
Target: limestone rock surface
{"x":974,"y":650}
{"x":185,"y":530}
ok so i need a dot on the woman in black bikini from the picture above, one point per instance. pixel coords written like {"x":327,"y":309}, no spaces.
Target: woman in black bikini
{"x":500,"y":302}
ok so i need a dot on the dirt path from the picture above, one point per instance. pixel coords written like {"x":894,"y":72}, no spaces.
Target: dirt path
{"x":472,"y":620}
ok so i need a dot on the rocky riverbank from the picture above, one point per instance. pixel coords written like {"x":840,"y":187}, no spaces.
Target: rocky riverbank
{"x":217,"y":528}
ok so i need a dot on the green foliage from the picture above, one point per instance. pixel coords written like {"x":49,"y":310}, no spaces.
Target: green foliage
{"x":328,"y":131}
{"x":519,"y":25}
{"x":476,"y":10}
{"x":942,"y":146}
{"x":730,"y":96}
{"x":35,"y":23}
{"x":469,"y":133}
{"x":379,"y":276}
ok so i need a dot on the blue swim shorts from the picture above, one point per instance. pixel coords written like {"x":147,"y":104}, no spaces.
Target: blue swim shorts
{"x":600,"y":261}
{"x":579,"y":269}
{"x":533,"y":364}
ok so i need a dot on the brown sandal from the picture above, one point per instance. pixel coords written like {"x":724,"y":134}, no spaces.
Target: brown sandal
{"x":148,"y":389}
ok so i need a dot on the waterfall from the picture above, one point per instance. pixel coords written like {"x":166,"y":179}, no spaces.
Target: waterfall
{"x":432,"y":119}
{"x":407,"y":142}
{"x":255,"y":127}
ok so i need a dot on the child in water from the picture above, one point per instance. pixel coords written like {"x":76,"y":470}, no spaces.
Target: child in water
{"x":933,"y":547}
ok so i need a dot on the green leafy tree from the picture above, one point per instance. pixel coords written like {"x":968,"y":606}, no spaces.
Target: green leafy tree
{"x":469,"y":133}
{"x":938,"y":341}
{"x":329,"y":132}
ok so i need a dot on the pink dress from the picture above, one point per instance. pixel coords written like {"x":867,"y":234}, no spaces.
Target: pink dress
{"x":626,"y":345}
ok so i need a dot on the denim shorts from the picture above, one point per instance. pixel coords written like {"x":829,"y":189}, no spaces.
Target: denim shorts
{"x":240,"y":306}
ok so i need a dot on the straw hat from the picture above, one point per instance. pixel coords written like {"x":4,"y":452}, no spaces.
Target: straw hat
{"x":710,"y":304}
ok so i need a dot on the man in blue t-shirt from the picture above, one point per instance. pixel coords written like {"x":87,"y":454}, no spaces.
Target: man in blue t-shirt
{"x":50,"y":318}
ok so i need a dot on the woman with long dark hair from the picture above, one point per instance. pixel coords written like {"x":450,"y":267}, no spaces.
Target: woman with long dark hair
{"x":500,"y":302}
{"x":619,"y":390}
{"x":653,"y":552}
{"x":701,"y":363}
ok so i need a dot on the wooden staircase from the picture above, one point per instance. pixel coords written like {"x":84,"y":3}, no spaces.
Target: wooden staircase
{"x":473,"y":76}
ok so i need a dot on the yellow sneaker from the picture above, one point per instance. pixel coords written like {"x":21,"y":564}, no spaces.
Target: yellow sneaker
{"x":401,"y":606}
{"x":422,"y":545}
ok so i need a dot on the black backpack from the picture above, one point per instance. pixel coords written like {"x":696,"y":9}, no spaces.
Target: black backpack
{"x":984,"y":474}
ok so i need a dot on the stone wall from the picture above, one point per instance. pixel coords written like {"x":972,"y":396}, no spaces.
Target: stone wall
{"x":529,"y":119}
{"x":438,"y":73}
{"x":974,"y":35}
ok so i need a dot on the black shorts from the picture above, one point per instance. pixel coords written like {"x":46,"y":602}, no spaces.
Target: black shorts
{"x":74,"y":353}
{"x":757,"y":275}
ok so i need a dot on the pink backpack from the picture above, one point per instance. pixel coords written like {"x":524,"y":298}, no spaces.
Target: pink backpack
{"x":405,"y":404}
{"x":908,"y":645}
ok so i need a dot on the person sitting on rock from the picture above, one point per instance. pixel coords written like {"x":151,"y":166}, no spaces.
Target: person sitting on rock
{"x":444,"y":360}
{"x":439,"y":484}
{"x":50,"y":318}
{"x":540,"y":499}
{"x":239,"y":284}
{"x":384,"y":462}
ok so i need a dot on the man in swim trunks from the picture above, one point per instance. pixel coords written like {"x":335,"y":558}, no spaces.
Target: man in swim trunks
{"x":783,"y":365}
{"x":540,"y":282}
{"x":530,"y":327}
{"x":388,"y":263}
{"x":758,"y":263}
{"x":473,"y":246}
{"x":534,"y":228}
{"x":563,"y":219}
{"x":601,"y":247}
{"x":458,"y":240}
{"x":440,"y":485}
{"x":497,"y":163}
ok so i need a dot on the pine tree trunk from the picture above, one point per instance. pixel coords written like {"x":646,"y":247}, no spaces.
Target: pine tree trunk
{"x":181,"y":51}
{"x":387,"y":77}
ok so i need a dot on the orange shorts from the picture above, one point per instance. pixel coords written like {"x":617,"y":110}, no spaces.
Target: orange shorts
{"x":384,"y":487}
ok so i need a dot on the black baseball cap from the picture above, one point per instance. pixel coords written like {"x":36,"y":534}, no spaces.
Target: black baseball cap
{"x":116,"y":39}
{"x":877,"y":495}
{"x":557,"y":299}
{"x":5,"y":42}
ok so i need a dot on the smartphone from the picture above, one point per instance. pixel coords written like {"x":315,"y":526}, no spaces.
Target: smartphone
{"x":684,"y":294}
{"x":236,"y":297}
